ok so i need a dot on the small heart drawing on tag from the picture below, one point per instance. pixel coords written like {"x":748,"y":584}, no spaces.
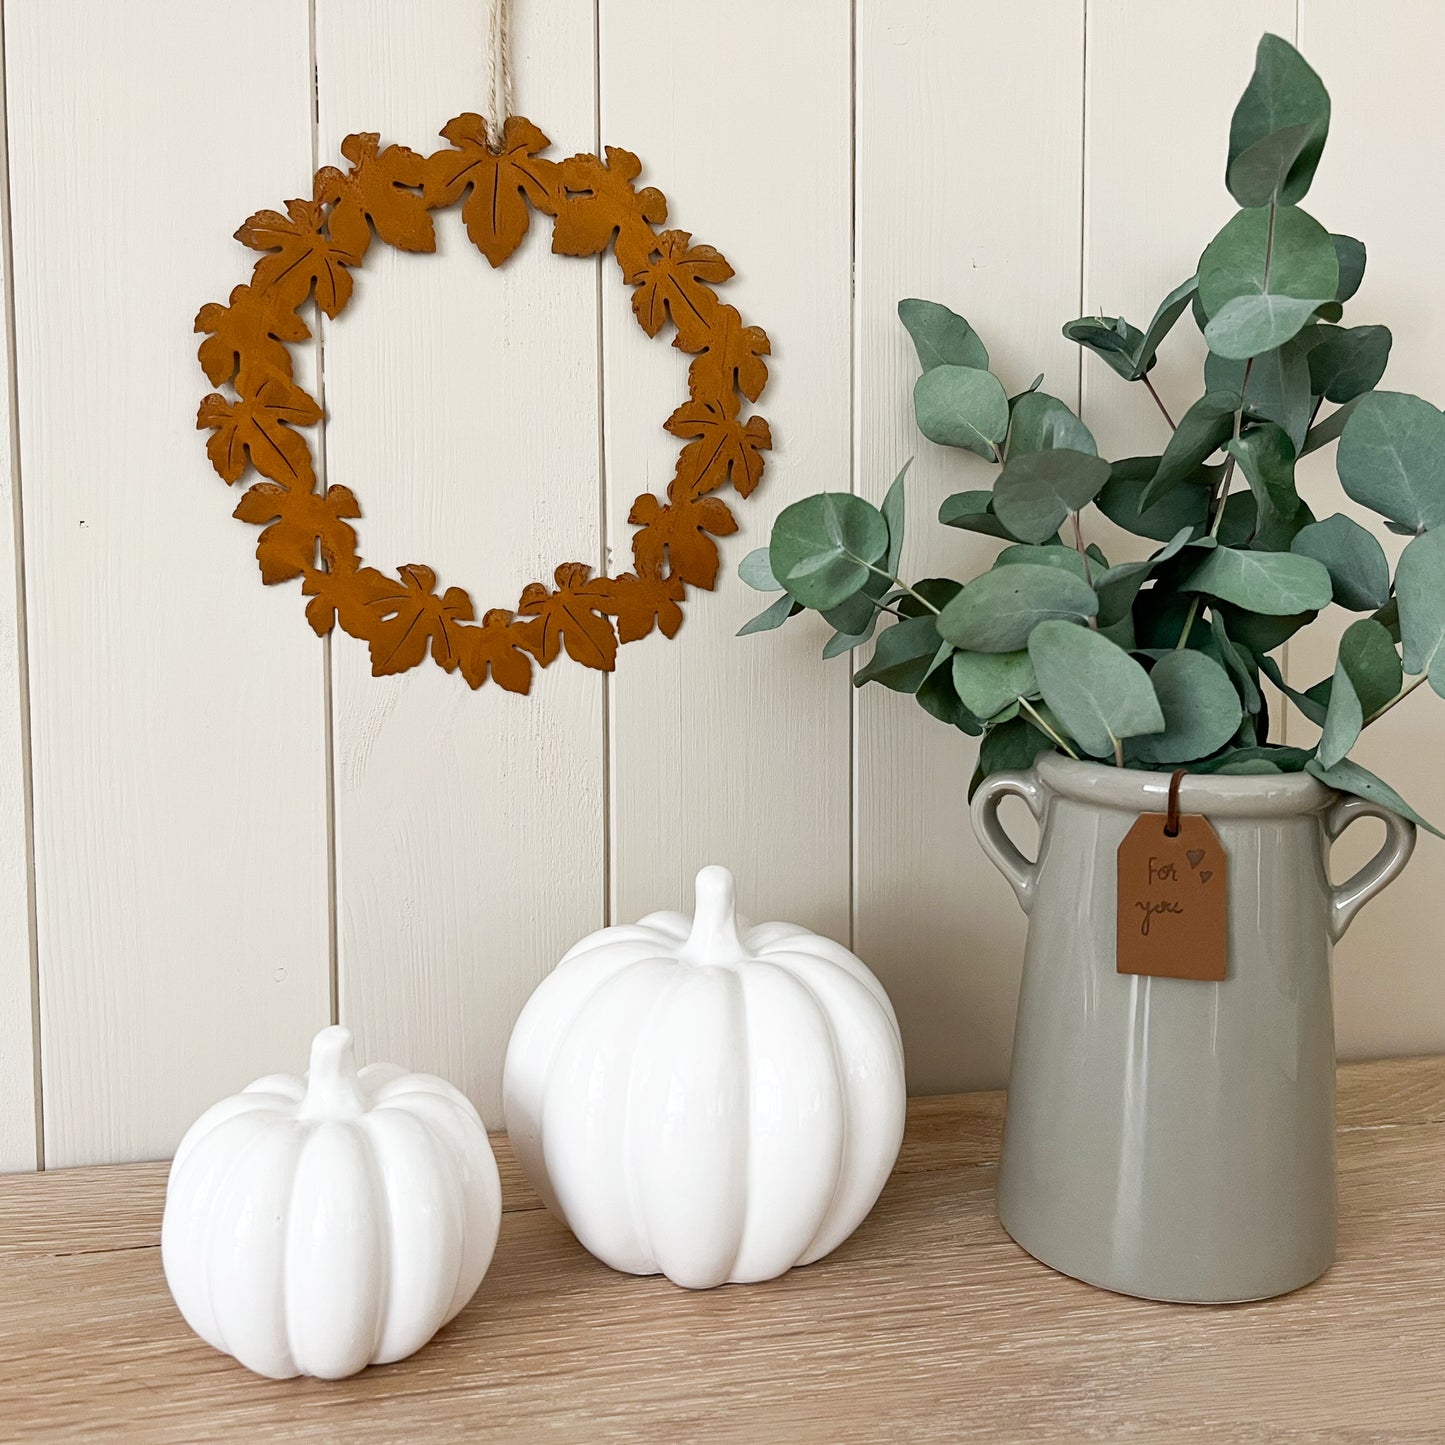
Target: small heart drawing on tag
{"x":1205,"y":875}
{"x":1194,"y":855}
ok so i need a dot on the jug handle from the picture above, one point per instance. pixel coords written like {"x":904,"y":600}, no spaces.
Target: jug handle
{"x":1349,"y":897}
{"x":996,"y":843}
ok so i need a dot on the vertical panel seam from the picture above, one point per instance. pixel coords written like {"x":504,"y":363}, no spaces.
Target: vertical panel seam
{"x":855,"y":413}
{"x":22,"y":631}
{"x":609,"y":811}
{"x":328,"y":697}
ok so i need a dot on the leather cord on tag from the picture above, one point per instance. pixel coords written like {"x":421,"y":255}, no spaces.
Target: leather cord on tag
{"x":1171,"y":818}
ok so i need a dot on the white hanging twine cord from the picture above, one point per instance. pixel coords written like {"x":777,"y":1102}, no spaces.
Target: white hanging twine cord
{"x":499,"y":70}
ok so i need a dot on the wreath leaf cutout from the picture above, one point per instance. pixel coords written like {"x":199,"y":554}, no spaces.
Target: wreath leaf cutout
{"x":258,"y":420}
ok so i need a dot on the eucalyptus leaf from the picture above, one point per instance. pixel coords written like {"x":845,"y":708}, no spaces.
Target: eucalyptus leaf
{"x":857,"y":615}
{"x":893,"y":515}
{"x":1238,"y":662}
{"x":962,"y":406}
{"x":1099,"y":693}
{"x":1277,"y":584}
{"x":1283,"y":93}
{"x":972,"y":512}
{"x":1420,"y":586}
{"x":1260,"y":172}
{"x":997,"y":611}
{"x":1262,"y":277}
{"x":1275,"y":384}
{"x":771,"y":617}
{"x":987,"y":682}
{"x":1349,"y":777}
{"x":1034,"y":385}
{"x":933,"y":594}
{"x":1281,"y":759}
{"x":1344,"y":720}
{"x":1359,"y":571}
{"x":1111,"y":338}
{"x":823,"y":547}
{"x":1391,"y":458}
{"x":1202,"y":430}
{"x":841,"y":642}
{"x":1037,"y":491}
{"x":1266,"y":457}
{"x":1042,"y":422}
{"x":1171,"y":308}
{"x":1201,"y":709}
{"x":1348,"y":363}
{"x":937,"y":696}
{"x":1117,"y":587}
{"x":903,"y":655}
{"x":1324,"y":432}
{"x":1185,"y":505}
{"x":941,"y":337}
{"x":1313,"y":702}
{"x":1368,"y":658}
{"x":1027,"y":554}
{"x":1350,"y":254}
{"x":757,"y":571}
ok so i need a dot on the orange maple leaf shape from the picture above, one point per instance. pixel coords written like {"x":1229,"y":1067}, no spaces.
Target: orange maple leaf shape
{"x":300,"y":522}
{"x":572,"y":617}
{"x":500,"y":645}
{"x":605,"y":203}
{"x":302,"y":254}
{"x":410,"y":615}
{"x":260,"y":427}
{"x":641,"y":603}
{"x":496,"y":213}
{"x":673,"y":282}
{"x":725,"y":449}
{"x":731,"y":360}
{"x":246,"y":339}
{"x":679,"y":529}
{"x":381,"y":190}
{"x":342,"y":595}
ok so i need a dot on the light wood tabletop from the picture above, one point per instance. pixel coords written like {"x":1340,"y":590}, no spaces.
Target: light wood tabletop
{"x":928,"y":1324}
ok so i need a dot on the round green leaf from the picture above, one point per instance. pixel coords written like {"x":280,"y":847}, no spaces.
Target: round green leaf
{"x":1042,"y":422}
{"x":961,"y":406}
{"x":941,"y":337}
{"x":1277,"y":584}
{"x":1037,"y":491}
{"x":1261,"y":282}
{"x":1359,"y":571}
{"x":987,"y":682}
{"x":1202,"y":430}
{"x":822,"y":548}
{"x":1283,"y":93}
{"x":1201,"y":708}
{"x":757,"y":571}
{"x":1027,"y":554}
{"x":1097,"y":691}
{"x":1350,"y":253}
{"x":998,"y":611}
{"x":1181,"y":506}
{"x":1349,"y":362}
{"x":1391,"y":458}
{"x":903,"y":655}
{"x":972,"y":512}
{"x":1420,"y":586}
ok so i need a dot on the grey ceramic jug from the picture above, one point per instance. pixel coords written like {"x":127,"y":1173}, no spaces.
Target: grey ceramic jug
{"x":1167,"y":1137}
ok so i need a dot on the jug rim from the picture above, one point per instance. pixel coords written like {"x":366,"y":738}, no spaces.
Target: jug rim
{"x":1136,"y":791}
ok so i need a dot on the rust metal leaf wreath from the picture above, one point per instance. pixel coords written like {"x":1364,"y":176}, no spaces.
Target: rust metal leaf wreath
{"x":257,"y":423}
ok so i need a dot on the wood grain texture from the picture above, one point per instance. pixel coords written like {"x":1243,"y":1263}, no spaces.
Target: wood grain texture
{"x":928,"y":1324}
{"x":19,"y":1142}
{"x":177,"y":709}
{"x":1390,"y":990}
{"x":464,"y":405}
{"x":724,"y":749}
{"x":969,"y":177}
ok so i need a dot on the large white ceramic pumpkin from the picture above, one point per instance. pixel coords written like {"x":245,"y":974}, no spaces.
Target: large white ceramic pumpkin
{"x":314,"y":1226}
{"x":703,"y":1101}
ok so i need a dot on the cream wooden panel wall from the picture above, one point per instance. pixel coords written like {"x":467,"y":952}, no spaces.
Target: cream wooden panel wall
{"x":235,"y":833}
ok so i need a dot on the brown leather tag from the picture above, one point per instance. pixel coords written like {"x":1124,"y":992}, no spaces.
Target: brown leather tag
{"x":1173,"y":899}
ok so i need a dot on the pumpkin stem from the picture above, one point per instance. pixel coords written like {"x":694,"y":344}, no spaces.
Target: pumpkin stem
{"x":333,"y":1088}
{"x":714,"y":937}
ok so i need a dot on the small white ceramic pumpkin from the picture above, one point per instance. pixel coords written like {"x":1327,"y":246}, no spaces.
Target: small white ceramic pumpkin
{"x":315,"y":1226}
{"x":707,"y":1103}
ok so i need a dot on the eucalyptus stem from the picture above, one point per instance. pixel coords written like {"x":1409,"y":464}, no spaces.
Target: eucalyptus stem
{"x":899,"y":582}
{"x":1034,"y":713}
{"x":1399,"y":697}
{"x":1118,"y":753}
{"x":1159,"y":402}
{"x":1084,"y":558}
